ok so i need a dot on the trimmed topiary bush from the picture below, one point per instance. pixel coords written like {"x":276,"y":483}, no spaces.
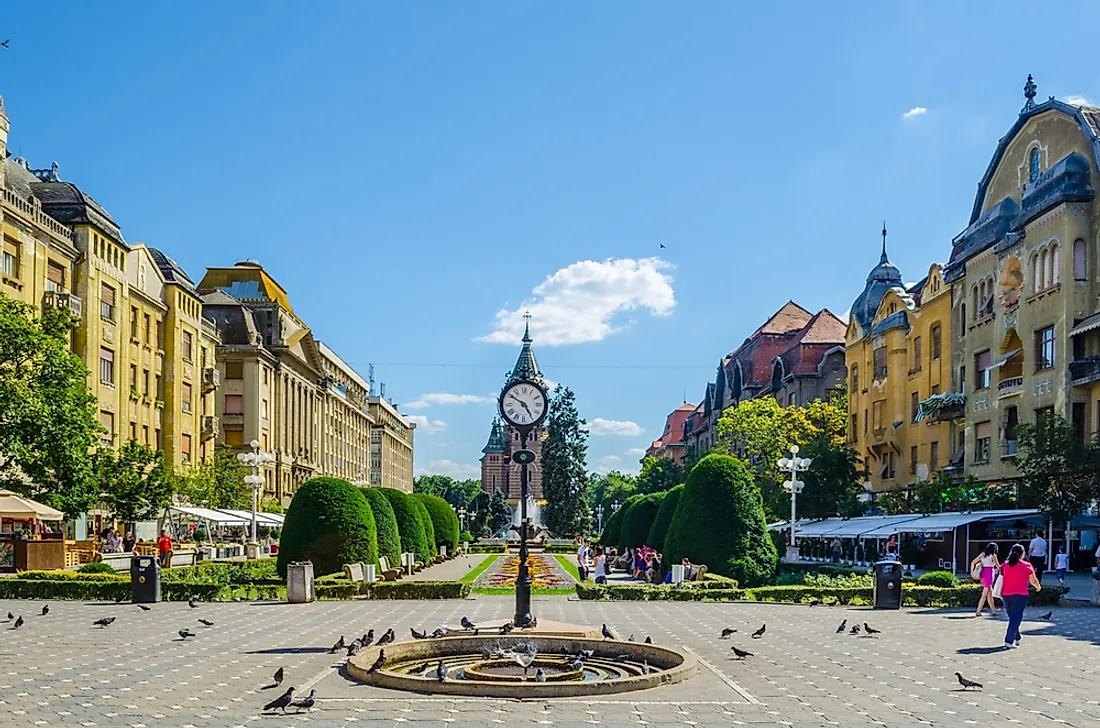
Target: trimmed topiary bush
{"x":611,"y":528}
{"x":409,"y":525}
{"x":385,"y":524}
{"x":719,"y":522}
{"x":944,"y":579}
{"x":96,"y":567}
{"x":428,"y":549}
{"x":659,"y":529}
{"x":330,"y":523}
{"x":620,"y":536}
{"x":639,"y":520}
{"x":444,"y":521}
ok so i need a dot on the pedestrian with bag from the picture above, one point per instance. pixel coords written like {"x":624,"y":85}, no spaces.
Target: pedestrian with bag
{"x":1017,"y":575}
{"x":984,"y":569}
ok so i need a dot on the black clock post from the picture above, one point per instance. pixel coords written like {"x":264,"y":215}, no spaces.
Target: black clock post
{"x":523,"y":456}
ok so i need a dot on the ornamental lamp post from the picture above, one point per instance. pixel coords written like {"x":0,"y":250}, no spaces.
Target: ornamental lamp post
{"x":793,"y":465}
{"x":255,"y":460}
{"x":462,"y":517}
{"x":599,"y":517}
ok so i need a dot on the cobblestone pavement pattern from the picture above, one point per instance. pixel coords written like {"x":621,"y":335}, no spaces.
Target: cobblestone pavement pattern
{"x":60,"y":670}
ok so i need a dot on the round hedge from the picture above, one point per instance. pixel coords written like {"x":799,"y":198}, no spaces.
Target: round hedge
{"x":719,"y":522}
{"x":385,"y":523}
{"x":429,"y":550}
{"x":611,"y":528}
{"x":330,"y":523}
{"x":620,"y":537}
{"x":409,"y":525}
{"x":659,"y":529}
{"x":444,"y":520}
{"x":639,"y":520}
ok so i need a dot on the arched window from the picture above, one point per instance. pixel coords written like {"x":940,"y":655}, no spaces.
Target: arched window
{"x":1079,"y":273}
{"x":1044,"y":269}
{"x":975,"y":304}
{"x":855,"y":379}
{"x":1056,"y":269}
{"x":777,"y":375}
{"x":1033,"y":166}
{"x":1036,"y":273}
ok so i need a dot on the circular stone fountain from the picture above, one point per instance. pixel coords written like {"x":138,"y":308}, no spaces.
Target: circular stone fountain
{"x":487,"y":665}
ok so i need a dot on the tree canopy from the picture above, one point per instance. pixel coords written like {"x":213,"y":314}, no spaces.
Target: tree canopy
{"x":942,"y":493}
{"x":459,"y":493}
{"x":564,"y":471}
{"x":500,"y":513}
{"x":658,"y":475}
{"x":136,"y":484}
{"x":1057,"y":468}
{"x":606,"y":490}
{"x":217,"y":483}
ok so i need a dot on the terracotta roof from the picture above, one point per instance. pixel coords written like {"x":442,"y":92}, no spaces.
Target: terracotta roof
{"x":791,"y":317}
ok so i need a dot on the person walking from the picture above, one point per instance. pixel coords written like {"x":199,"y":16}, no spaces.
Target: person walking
{"x":1017,"y":574}
{"x":164,"y":549}
{"x":582,"y":559}
{"x":836,"y":549}
{"x":1061,"y":565}
{"x":601,"y":566}
{"x":1037,"y":554}
{"x":988,"y":564}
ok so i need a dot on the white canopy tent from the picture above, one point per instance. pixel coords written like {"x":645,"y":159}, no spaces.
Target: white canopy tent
{"x":264,"y":519}
{"x":15,"y":507}
{"x":220,"y":518}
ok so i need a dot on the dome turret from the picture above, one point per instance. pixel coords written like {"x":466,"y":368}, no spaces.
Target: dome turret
{"x":882,"y":278}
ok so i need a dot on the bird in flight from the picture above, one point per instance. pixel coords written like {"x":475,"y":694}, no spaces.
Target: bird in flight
{"x":967,"y":683}
{"x":4,"y":44}
{"x":662,"y":245}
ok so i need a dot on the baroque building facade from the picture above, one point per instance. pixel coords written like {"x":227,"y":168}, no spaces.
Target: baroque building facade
{"x":1025,"y":283}
{"x":498,"y":472}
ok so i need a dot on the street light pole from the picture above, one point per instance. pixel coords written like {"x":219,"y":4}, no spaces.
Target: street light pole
{"x":793,"y":465}
{"x":599,"y":517}
{"x":255,"y":460}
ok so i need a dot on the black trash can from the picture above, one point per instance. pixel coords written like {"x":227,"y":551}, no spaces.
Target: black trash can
{"x":145,"y":579}
{"x":887,"y":589}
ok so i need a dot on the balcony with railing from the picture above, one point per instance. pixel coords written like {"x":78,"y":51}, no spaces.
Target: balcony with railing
{"x":57,"y":299}
{"x":32,"y":212}
{"x":1010,"y":386}
{"x":1084,"y":371}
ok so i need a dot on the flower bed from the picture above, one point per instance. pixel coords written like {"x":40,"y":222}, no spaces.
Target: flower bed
{"x":545,"y":571}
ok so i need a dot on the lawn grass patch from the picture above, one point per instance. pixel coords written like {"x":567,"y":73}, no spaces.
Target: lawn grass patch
{"x":478,"y":570}
{"x":570,"y":566}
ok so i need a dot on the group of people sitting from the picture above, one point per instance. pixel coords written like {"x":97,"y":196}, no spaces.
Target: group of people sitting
{"x":643,"y":563}
{"x":114,"y":543}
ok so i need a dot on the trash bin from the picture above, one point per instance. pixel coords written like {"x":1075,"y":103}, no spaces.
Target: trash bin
{"x":299,"y":582}
{"x":887,"y":585}
{"x":145,"y":579}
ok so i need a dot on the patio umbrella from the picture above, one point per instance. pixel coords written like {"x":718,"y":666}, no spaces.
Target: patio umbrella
{"x":15,"y":506}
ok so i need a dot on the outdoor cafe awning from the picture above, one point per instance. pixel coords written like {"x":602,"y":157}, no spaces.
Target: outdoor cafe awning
{"x":941,"y":522}
{"x":206,"y":514}
{"x":16,"y":507}
{"x":263,"y":519}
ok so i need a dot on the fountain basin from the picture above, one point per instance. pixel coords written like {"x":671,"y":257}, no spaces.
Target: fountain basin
{"x":615,"y":667}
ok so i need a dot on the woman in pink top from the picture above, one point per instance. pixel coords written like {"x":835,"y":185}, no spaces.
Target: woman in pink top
{"x":1016,"y":576}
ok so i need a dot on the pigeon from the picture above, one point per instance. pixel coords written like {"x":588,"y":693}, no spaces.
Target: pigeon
{"x":623,"y":658}
{"x":1046,"y":617}
{"x":282,"y":701}
{"x":585,"y":654}
{"x":760,"y":632}
{"x":467,"y":624}
{"x":662,"y":245}
{"x":338,"y":646}
{"x":816,"y":602}
{"x":45,"y":609}
{"x":4,"y":43}
{"x":354,"y":647}
{"x":843,"y":626}
{"x":418,"y":635}
{"x":854,"y":629}
{"x":368,"y":638}
{"x":192,"y":603}
{"x":10,"y":616}
{"x":206,"y":623}
{"x":630,"y":638}
{"x":387,"y":638}
{"x":143,"y":608}
{"x":540,"y":676}
{"x":870,"y":630}
{"x":378,"y":663}
{"x":477,"y":631}
{"x":279,"y":677}
{"x":967,"y":683}
{"x":726,"y":633}
{"x":648,"y":640}
{"x":645,"y":666}
{"x":507,"y":627}
{"x":741,"y":654}
{"x":18,"y":622}
{"x":103,"y":622}
{"x":608,"y":634}
{"x":185,"y":633}
{"x":441,"y":672}
{"x":421,"y":669}
{"x":576,"y":664}
{"x":440,"y":632}
{"x":306,"y":702}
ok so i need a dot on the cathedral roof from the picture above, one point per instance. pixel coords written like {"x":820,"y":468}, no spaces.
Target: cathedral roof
{"x":882,"y":278}
{"x":496,"y":439}
{"x":526,"y":366}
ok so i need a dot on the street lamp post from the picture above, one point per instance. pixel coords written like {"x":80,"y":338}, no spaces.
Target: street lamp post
{"x":462,"y":517}
{"x":599,"y":517}
{"x":793,"y":465}
{"x":255,"y":460}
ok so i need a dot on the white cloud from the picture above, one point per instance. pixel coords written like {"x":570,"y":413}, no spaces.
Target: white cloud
{"x":446,"y":398}
{"x":578,"y":304}
{"x":459,"y":471}
{"x":425,"y":425}
{"x":636,"y":452}
{"x":914,"y":112}
{"x":600,"y":426}
{"x":1076,"y":100}
{"x":610,"y":459}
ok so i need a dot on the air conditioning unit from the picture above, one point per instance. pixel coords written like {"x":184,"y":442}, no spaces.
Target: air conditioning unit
{"x":210,"y":378}
{"x":210,"y":424}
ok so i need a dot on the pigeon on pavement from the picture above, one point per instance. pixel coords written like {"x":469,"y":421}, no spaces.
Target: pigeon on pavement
{"x":206,"y":623}
{"x":354,"y":647}
{"x":191,"y":603}
{"x":185,"y":633}
{"x":306,"y":702}
{"x":508,"y":627}
{"x":871,"y":632}
{"x":368,"y":638}
{"x":1046,"y":617}
{"x":741,"y":654}
{"x":967,"y":683}
{"x":467,"y":624}
{"x":10,"y":616}
{"x":417,"y":635}
{"x":608,"y":634}
{"x":630,"y":638}
{"x":45,"y":609}
{"x":441,"y":672}
{"x":648,"y":640}
{"x":387,"y":638}
{"x":760,"y":632}
{"x":279,"y":677}
{"x":338,"y":646}
{"x":727,"y":632}
{"x":103,"y":622}
{"x":816,"y":602}
{"x":854,"y":629}
{"x":843,"y":626}
{"x":143,"y":608}
{"x":18,"y":622}
{"x":282,"y":701}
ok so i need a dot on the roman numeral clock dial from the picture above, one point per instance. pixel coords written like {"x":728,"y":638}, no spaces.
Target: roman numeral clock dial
{"x":523,"y":404}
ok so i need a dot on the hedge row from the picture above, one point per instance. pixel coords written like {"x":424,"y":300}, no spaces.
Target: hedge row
{"x":444,"y":521}
{"x":341,"y":589}
{"x":479,"y":549}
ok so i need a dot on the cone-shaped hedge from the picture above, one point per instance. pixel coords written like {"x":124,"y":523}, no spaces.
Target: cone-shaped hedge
{"x":620,"y":537}
{"x":409,"y":525}
{"x":719,"y":522}
{"x":444,"y":521}
{"x":330,"y":523}
{"x":659,"y":529}
{"x":385,"y":523}
{"x":639,"y":520}
{"x":429,"y":549}
{"x":611,"y":528}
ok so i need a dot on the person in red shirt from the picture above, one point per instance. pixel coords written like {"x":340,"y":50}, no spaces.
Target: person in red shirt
{"x":1016,"y":575}
{"x":164,"y":548}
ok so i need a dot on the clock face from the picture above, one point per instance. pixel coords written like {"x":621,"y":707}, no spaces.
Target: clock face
{"x":523,"y":404}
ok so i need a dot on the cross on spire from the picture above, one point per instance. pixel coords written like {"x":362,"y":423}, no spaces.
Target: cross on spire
{"x":883,"y":259}
{"x":527,"y":326}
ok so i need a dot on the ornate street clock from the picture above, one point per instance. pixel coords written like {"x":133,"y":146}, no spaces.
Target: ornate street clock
{"x":523,"y":405}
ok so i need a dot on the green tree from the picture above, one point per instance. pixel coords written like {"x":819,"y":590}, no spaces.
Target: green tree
{"x":385,"y":524}
{"x":414,"y":539}
{"x":833,"y":481}
{"x":658,"y":475}
{"x":719,"y":522}
{"x":330,"y":523}
{"x":478,"y":519}
{"x":216,"y":483}
{"x":272,"y":506}
{"x":942,"y":492}
{"x":429,"y":549}
{"x":48,"y":428}
{"x":136,"y":484}
{"x":640,"y":518}
{"x":659,"y":530}
{"x":564,"y":471}
{"x":459,"y":493}
{"x":613,"y":525}
{"x":1057,"y":468}
{"x":444,"y":520}
{"x":619,"y":536}
{"x":606,"y":490}
{"x":500,"y":513}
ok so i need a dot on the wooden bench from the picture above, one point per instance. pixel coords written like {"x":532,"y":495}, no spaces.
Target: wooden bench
{"x":387,"y":572}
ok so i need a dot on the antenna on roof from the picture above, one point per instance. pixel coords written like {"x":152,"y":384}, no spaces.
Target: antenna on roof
{"x":370,"y":377}
{"x":382,"y":390}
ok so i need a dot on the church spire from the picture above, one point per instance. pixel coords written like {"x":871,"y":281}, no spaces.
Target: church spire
{"x":496,"y":439}
{"x":883,"y":258}
{"x":526,"y":366}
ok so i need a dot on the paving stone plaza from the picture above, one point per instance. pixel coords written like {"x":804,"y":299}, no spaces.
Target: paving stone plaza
{"x":60,"y":670}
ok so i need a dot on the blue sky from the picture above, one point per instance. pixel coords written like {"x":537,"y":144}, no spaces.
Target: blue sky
{"x":417,"y":174}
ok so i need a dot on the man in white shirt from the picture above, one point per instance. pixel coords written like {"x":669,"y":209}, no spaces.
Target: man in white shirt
{"x":582,"y":559}
{"x":1037,"y":554}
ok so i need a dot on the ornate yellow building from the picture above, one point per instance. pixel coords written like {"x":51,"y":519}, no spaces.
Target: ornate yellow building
{"x":391,"y":446}
{"x":1026,"y":284}
{"x":898,"y":357}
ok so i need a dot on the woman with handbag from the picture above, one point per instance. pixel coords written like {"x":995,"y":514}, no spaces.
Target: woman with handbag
{"x":1017,"y":575}
{"x":984,"y":569}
